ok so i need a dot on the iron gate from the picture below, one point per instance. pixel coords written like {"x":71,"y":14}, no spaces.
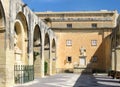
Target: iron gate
{"x":23,"y":73}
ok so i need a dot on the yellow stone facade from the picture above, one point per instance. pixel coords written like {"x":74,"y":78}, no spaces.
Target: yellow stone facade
{"x":76,"y":30}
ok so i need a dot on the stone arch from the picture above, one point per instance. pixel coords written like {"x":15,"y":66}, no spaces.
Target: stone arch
{"x":37,"y":51}
{"x":2,"y":46}
{"x":47,"y":54}
{"x":20,"y":16}
{"x":18,"y":34}
{"x":2,"y":33}
{"x":2,"y":17}
{"x":53,"y":56}
{"x":21,"y":40}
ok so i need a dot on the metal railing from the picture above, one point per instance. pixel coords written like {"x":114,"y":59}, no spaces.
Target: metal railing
{"x":23,"y":73}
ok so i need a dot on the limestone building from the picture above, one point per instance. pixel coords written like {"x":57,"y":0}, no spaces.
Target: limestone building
{"x":83,"y":39}
{"x":53,"y":42}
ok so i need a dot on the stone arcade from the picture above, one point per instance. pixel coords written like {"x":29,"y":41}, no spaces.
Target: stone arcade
{"x":25,"y":40}
{"x":46,"y":43}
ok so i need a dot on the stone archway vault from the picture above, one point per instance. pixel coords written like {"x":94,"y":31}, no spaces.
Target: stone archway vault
{"x":47,"y":54}
{"x":21,"y":40}
{"x":37,"y":53}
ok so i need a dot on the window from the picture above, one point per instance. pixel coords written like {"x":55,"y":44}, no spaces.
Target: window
{"x":94,"y":25}
{"x":68,"y":42}
{"x":94,"y":42}
{"x":69,"y":25}
{"x":69,"y":59}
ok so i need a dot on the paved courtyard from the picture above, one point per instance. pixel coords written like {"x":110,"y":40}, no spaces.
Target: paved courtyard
{"x":74,"y":80}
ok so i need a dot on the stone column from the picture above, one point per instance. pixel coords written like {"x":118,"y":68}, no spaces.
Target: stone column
{"x":118,"y":58}
{"x":53,"y":62}
{"x":30,"y":58}
{"x":43,"y":59}
{"x":113,"y":60}
{"x":50,"y":71}
{"x":30,"y":47}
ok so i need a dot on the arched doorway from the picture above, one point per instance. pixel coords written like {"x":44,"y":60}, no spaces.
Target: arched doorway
{"x":53,"y":57}
{"x":37,"y":47}
{"x":47,"y":55}
{"x":21,"y":40}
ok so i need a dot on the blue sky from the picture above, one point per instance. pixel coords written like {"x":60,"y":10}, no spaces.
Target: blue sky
{"x":73,"y":5}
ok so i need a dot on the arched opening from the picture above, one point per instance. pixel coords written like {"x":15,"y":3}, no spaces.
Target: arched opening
{"x":47,"y":55}
{"x":2,"y":31}
{"x":18,"y":43}
{"x":53,"y":57}
{"x":22,"y":68}
{"x":37,"y":47}
{"x":2,"y":47}
{"x":2,"y":35}
{"x":21,"y":40}
{"x":2,"y":17}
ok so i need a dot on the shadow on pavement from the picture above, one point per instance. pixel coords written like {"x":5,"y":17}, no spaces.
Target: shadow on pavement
{"x":96,"y":80}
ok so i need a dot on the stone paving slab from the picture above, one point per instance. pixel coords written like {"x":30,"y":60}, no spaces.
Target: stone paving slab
{"x":74,"y":80}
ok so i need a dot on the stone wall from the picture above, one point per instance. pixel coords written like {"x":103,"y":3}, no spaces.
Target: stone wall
{"x":15,"y":11}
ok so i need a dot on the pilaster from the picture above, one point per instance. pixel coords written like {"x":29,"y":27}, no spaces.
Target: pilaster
{"x":118,"y":58}
{"x":50,"y":71}
{"x":43,"y":59}
{"x":113,"y":60}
